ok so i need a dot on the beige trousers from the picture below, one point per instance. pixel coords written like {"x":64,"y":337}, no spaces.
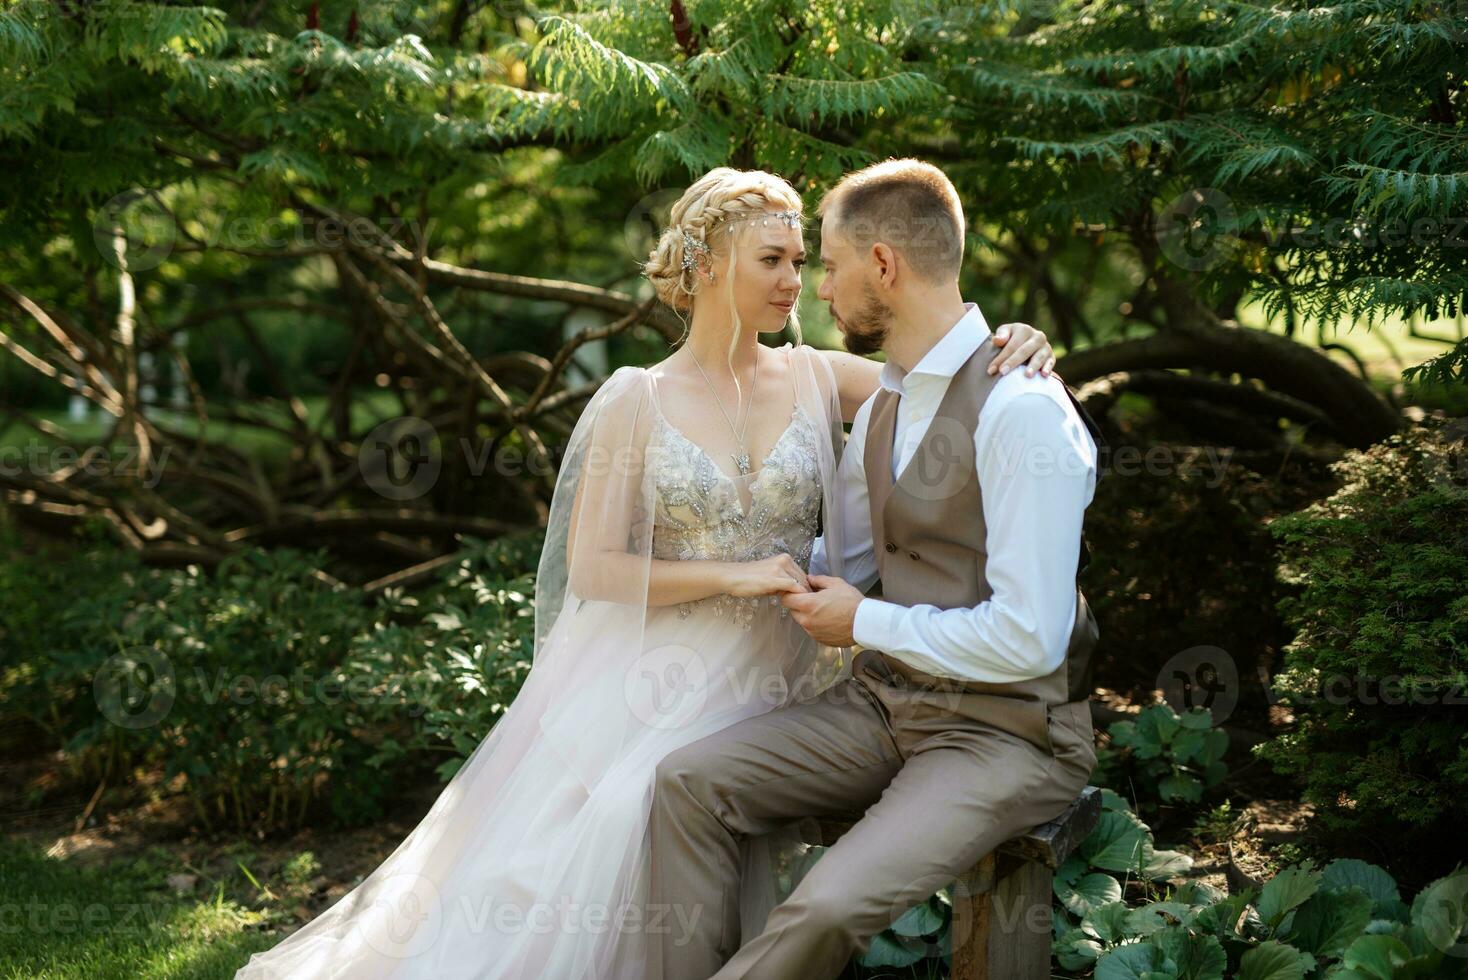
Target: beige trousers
{"x":940,"y":788}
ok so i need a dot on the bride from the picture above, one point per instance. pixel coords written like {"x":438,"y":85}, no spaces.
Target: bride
{"x":690,"y":496}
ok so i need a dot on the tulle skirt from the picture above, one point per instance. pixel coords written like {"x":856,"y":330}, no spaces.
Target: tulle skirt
{"x":533,"y":862}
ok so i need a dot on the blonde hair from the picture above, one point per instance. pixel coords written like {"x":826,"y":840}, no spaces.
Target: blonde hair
{"x":708,"y":211}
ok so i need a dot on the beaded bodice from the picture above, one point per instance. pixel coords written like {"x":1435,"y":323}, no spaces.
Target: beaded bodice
{"x":700,"y":514}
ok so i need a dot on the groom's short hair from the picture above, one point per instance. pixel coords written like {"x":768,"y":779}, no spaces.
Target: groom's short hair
{"x":910,"y":205}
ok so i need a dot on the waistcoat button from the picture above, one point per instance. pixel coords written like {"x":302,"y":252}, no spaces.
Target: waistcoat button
{"x":891,"y":547}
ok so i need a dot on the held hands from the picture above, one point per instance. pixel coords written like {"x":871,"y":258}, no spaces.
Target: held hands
{"x":768,"y":576}
{"x":1020,"y":343}
{"x":829,"y":613}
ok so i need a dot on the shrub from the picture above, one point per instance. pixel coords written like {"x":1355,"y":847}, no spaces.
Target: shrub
{"x":1377,"y":675}
{"x":466,"y":644}
{"x":264,"y":709}
{"x":56,"y":608}
{"x":273,"y":693}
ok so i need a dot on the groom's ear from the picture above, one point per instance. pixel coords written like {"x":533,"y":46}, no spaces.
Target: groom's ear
{"x":885,"y":258}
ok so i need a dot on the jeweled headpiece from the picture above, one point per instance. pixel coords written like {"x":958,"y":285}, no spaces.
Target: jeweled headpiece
{"x":693,"y":247}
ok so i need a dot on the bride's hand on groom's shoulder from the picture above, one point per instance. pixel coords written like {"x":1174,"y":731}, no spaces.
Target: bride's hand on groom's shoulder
{"x":768,"y":576}
{"x":1022,"y":344}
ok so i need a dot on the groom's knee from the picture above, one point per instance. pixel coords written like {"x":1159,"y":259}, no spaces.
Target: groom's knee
{"x":680,"y":780}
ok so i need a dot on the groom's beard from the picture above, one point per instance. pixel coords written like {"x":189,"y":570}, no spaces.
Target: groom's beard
{"x":866,"y":329}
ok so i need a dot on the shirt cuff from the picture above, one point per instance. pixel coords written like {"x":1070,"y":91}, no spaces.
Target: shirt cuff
{"x":872,"y":625}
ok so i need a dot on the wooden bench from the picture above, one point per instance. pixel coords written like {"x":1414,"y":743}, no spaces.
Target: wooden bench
{"x":996,"y":933}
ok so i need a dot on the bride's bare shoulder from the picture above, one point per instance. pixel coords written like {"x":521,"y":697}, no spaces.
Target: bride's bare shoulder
{"x":665,"y":374}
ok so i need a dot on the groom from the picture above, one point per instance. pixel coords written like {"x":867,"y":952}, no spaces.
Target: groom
{"x":965,"y":721}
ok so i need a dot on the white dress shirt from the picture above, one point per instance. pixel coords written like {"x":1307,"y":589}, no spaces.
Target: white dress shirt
{"x":1037,"y":473}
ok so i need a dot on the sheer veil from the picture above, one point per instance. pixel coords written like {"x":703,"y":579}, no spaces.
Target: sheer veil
{"x":553,"y":803}
{"x":593,"y":583}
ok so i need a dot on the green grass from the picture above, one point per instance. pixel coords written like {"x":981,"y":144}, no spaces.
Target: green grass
{"x":59,"y":921}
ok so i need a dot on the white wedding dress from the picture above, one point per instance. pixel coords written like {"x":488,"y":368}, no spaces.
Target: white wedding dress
{"x":533,"y":862}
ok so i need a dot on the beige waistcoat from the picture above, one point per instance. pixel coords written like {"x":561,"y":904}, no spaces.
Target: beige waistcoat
{"x":930,"y":536}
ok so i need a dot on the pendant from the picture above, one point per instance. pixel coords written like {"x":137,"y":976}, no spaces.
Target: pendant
{"x":741,"y":460}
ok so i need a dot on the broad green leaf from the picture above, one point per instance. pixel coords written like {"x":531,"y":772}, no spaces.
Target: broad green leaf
{"x":1441,"y":911}
{"x":1376,"y":956}
{"x":1221,"y":919}
{"x":1166,"y":864}
{"x":1346,"y":872}
{"x":1120,"y":842}
{"x":1107,"y":923}
{"x":1285,"y":891}
{"x":1123,"y":734}
{"x":1195,"y":957}
{"x":1070,"y":870}
{"x":1163,"y":721}
{"x":1215,"y":746}
{"x":1088,"y":893}
{"x":1330,"y":921}
{"x":1193,"y":893}
{"x":1076,"y":951}
{"x":1144,"y":921}
{"x":1180,"y":786}
{"x":1273,"y":960}
{"x":1197,"y":718}
{"x":1188,"y":744}
{"x":1134,"y":961}
{"x":920,"y":920}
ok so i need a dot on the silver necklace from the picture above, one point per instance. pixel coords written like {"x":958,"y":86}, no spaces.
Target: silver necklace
{"x":741,"y":458}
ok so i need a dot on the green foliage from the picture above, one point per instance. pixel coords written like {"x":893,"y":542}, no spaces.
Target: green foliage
{"x":1377,"y":674}
{"x":1329,"y":138}
{"x":1342,"y":120}
{"x":1119,"y":915}
{"x":271,"y":692}
{"x":55,"y":610}
{"x":1302,"y":922}
{"x":301,"y":868}
{"x":467,"y":643}
{"x":1179,"y":755}
{"x":1218,"y":824}
{"x":263,"y":709}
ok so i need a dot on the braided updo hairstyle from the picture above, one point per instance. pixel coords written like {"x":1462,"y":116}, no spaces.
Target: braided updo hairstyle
{"x":706,"y":212}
